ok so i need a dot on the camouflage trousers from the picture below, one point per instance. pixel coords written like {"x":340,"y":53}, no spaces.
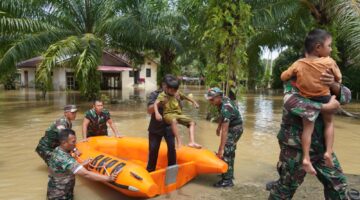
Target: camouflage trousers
{"x":234,"y":134}
{"x":61,"y":188}
{"x":44,"y":154}
{"x":292,"y":175}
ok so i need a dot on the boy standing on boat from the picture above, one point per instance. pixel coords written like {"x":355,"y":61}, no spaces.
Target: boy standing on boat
{"x":96,"y":120}
{"x":49,"y":141}
{"x":173,"y":111}
{"x":63,"y":167}
{"x":230,"y":129}
{"x":158,"y":130}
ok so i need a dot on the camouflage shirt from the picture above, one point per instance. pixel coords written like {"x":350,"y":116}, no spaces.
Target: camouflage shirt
{"x":49,"y":141}
{"x":229,"y":112}
{"x":62,"y":170}
{"x":297,"y":107}
{"x":97,"y":125}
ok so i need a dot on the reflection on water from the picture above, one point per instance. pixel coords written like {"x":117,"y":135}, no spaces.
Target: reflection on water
{"x":24,"y":116}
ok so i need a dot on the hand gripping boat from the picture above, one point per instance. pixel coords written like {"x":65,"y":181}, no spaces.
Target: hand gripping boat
{"x":129,"y":156}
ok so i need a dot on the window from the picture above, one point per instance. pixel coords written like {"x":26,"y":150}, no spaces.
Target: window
{"x":148,"y":72}
{"x":70,"y":81}
{"x":131,"y":73}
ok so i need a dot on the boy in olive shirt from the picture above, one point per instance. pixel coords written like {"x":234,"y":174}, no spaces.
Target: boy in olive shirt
{"x":172,"y":111}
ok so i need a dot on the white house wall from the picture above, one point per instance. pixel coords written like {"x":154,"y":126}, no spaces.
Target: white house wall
{"x":150,"y":82}
{"x":59,"y":79}
{"x":31,"y":77}
{"x":127,"y":81}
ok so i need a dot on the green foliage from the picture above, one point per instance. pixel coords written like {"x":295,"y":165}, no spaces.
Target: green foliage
{"x":221,"y":40}
{"x":9,"y":81}
{"x":351,"y":79}
{"x":227,"y":32}
{"x":284,"y":23}
{"x":285,"y":59}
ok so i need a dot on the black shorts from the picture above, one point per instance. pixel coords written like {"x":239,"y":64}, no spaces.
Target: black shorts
{"x":322,"y":99}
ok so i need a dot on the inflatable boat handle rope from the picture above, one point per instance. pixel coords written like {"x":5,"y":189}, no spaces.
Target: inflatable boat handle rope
{"x":93,"y":166}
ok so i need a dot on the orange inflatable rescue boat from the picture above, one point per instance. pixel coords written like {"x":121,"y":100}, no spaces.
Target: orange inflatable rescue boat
{"x":128,"y":156}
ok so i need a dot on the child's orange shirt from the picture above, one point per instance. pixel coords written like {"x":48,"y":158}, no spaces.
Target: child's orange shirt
{"x":308,"y":72}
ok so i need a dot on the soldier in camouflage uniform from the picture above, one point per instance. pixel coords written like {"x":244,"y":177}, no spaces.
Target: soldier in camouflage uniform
{"x":230,"y":128}
{"x":96,"y":120}
{"x":290,"y":160}
{"x":63,"y":167}
{"x":49,"y":141}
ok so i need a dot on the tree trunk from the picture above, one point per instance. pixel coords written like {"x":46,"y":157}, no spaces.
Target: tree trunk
{"x":166,"y":64}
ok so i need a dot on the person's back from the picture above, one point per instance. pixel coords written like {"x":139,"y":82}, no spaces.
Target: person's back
{"x":49,"y":141}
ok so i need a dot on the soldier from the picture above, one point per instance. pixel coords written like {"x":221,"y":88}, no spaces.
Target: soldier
{"x":63,"y":167}
{"x":49,"y":141}
{"x":96,"y":120}
{"x":229,"y":129}
{"x":290,"y":160}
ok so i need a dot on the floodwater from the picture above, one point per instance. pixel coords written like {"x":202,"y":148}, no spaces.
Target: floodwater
{"x":24,"y":117}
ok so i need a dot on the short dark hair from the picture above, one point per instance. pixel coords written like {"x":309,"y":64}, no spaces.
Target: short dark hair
{"x":174,"y":84}
{"x":64,"y":134}
{"x":168,"y":77}
{"x":315,"y":36}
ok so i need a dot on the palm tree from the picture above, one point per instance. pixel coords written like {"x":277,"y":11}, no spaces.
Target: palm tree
{"x":15,"y":24}
{"x":280,"y":23}
{"x":76,"y":32}
{"x":69,"y":34}
{"x":155,"y":26}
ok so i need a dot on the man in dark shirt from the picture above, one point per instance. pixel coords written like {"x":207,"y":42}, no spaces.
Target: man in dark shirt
{"x":159,"y":129}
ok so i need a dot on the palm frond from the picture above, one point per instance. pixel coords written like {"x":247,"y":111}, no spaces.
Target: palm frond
{"x":347,"y":17}
{"x":54,"y":55}
{"x":86,"y":66}
{"x":28,"y":46}
{"x":22,"y":25}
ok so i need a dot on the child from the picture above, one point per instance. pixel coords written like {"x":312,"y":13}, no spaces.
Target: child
{"x":308,"y":71}
{"x":173,"y":113}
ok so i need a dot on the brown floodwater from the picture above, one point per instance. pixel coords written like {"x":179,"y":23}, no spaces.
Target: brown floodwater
{"x":24,"y":118}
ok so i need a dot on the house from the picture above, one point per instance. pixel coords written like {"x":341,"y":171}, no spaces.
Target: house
{"x":116,"y":73}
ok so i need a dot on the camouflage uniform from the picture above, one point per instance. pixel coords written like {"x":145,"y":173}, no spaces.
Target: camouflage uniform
{"x":97,"y":125}
{"x":62,"y":170}
{"x":229,"y":113}
{"x":290,"y":160}
{"x":49,"y":141}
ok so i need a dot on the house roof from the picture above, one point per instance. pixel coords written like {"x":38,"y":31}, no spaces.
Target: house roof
{"x":31,"y":63}
{"x":108,"y":59}
{"x":113,"y":68}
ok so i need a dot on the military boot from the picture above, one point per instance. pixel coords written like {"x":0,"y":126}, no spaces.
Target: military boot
{"x":353,"y":194}
{"x":224,"y":183}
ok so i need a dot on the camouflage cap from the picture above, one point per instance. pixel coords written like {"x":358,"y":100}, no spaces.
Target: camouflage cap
{"x":70,"y":108}
{"x":213,"y":92}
